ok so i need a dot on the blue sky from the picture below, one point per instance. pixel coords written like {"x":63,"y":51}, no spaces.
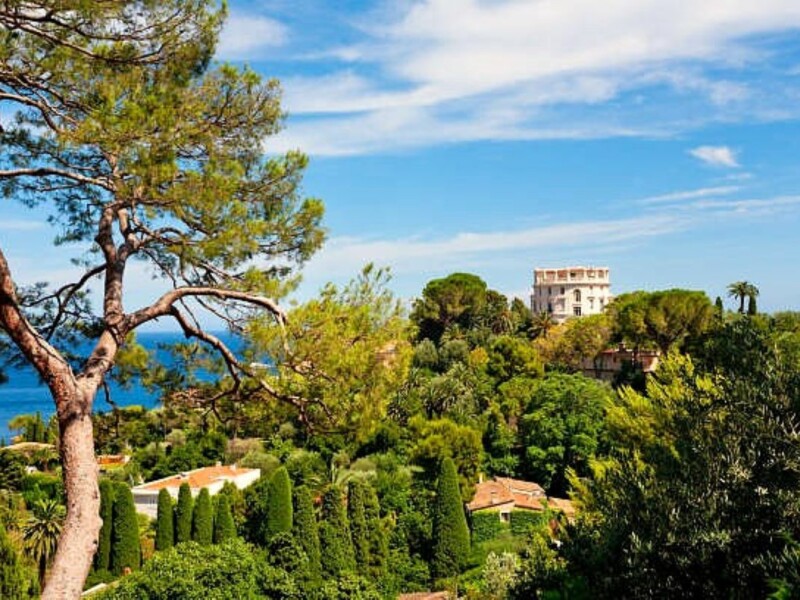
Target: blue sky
{"x":658,"y":137}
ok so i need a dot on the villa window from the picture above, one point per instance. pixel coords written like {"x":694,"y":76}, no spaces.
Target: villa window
{"x":576,"y":311}
{"x":563,"y":291}
{"x":577,"y":295}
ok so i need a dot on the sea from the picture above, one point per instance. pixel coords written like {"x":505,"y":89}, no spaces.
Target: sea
{"x":24,"y":392}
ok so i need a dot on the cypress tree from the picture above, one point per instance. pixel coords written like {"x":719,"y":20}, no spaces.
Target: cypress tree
{"x":165,"y":526}
{"x":203,"y":519}
{"x":183,"y":514}
{"x":224,"y":527}
{"x":358,"y":525}
{"x":752,"y":308}
{"x":125,"y":550}
{"x":102,"y":558}
{"x":450,"y":531}
{"x":378,"y":542}
{"x":334,"y":535}
{"x":305,"y":530}
{"x":12,"y":581}
{"x":279,"y":511}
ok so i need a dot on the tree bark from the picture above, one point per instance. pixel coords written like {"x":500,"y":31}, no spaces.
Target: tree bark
{"x":78,"y":541}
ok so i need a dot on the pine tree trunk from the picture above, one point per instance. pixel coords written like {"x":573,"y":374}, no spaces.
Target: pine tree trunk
{"x":78,"y":541}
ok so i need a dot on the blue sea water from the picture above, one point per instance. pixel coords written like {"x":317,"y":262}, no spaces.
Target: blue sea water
{"x":24,"y":393}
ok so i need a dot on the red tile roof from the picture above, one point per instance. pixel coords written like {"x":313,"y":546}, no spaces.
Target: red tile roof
{"x":199,"y":478}
{"x":502,"y":491}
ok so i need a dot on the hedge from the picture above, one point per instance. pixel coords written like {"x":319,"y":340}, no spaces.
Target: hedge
{"x":486,"y":526}
{"x":523,"y":520}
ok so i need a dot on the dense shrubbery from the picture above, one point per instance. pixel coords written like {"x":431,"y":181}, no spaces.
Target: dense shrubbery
{"x":486,"y":526}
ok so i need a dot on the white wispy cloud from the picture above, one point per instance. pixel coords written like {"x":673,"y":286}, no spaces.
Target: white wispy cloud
{"x":450,"y":70}
{"x":690,"y":195}
{"x":345,"y":255}
{"x":717,"y":156}
{"x":244,"y":36}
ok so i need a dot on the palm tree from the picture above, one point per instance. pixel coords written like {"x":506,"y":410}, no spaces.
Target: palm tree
{"x":41,"y":532}
{"x":542,"y":323}
{"x":742,"y":290}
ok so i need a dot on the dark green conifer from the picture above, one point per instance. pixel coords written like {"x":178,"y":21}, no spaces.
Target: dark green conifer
{"x":378,"y":542}
{"x":165,"y":525}
{"x":305,"y":530}
{"x":334,"y":535}
{"x":224,"y":527}
{"x":125,"y":549}
{"x":279,"y":511}
{"x":183,"y":514}
{"x":102,"y":558}
{"x":12,"y":579}
{"x":752,"y":308}
{"x":203,"y":519}
{"x":358,"y":525}
{"x":450,"y":531}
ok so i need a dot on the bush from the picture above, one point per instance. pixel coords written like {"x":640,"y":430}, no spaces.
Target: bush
{"x":125,"y":550}
{"x":183,"y":514}
{"x":224,"y":527}
{"x":279,"y":511}
{"x":165,"y":527}
{"x":334,"y":535}
{"x":486,"y":526}
{"x":450,"y":531}
{"x":522,"y":521}
{"x":203,"y":519}
{"x":306,"y":531}
{"x":193,"y":572}
{"x":102,"y":558}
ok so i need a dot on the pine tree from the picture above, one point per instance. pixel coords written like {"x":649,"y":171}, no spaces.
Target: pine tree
{"x":224,"y":527}
{"x":305,"y":530}
{"x":378,"y":542}
{"x":279,"y":512}
{"x":358,"y":525}
{"x":183,"y":514}
{"x":203,"y":519}
{"x":334,"y":535}
{"x":125,"y":549}
{"x":102,"y":558}
{"x":12,"y":580}
{"x":450,"y":531}
{"x":165,"y":521}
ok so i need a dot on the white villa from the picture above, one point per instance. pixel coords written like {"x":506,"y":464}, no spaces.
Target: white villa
{"x":145,"y":496}
{"x":570,"y":291}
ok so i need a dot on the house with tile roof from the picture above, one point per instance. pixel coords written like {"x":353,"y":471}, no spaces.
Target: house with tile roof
{"x":145,"y":496}
{"x":504,"y":494}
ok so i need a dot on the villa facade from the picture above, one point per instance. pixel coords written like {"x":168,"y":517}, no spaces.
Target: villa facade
{"x":571,"y":291}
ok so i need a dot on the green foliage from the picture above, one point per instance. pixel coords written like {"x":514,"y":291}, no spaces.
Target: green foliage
{"x":500,"y":575}
{"x":569,"y":346}
{"x":440,"y":439}
{"x":12,"y":470}
{"x":348,"y":587}
{"x":522,"y":521}
{"x":337,"y":554}
{"x":358,"y":524}
{"x":305,"y":530}
{"x":224,"y":526}
{"x":13,"y":584}
{"x":561,"y":428}
{"x":665,"y":319}
{"x":203,"y":519}
{"x":125,"y":550}
{"x":541,"y":568}
{"x":450,"y":531}
{"x":102,"y":558}
{"x":716,"y":442}
{"x":165,"y":521}
{"x":191,"y":571}
{"x":486,"y":526}
{"x":348,"y":353}
{"x":513,"y":357}
{"x":41,"y":531}
{"x":376,"y":535}
{"x":279,"y":512}
{"x":454,"y":301}
{"x":183,"y":514}
{"x":285,"y":553}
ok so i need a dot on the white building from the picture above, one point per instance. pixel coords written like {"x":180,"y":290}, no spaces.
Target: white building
{"x":145,"y":496}
{"x":570,"y":291}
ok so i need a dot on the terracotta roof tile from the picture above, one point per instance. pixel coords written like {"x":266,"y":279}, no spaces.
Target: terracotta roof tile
{"x":199,"y":478}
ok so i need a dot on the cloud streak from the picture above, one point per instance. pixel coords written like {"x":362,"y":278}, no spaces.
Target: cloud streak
{"x":716,"y":156}
{"x":443,"y":71}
